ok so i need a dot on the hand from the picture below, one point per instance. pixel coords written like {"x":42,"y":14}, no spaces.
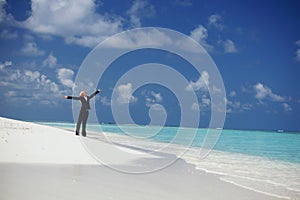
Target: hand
{"x":99,"y":90}
{"x":65,"y":97}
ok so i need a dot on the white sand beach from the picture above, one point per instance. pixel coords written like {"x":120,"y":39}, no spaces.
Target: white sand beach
{"x":41,"y":162}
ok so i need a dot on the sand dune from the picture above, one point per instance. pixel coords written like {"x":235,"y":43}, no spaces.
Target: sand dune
{"x":23,"y":142}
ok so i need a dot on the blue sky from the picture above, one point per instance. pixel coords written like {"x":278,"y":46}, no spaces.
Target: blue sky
{"x":255,"y":45}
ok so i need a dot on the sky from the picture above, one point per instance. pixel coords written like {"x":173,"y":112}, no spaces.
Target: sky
{"x":254,"y":44}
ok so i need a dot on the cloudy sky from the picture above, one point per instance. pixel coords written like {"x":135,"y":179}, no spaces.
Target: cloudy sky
{"x":255,"y":45}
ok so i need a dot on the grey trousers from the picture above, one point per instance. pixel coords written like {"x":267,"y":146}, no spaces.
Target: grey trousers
{"x":82,"y":119}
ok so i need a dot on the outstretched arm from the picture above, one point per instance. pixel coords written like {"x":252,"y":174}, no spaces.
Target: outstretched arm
{"x":97,"y":91}
{"x":70,"y":97}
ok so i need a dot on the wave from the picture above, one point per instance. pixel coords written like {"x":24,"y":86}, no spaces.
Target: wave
{"x":275,"y":178}
{"x":256,"y":190}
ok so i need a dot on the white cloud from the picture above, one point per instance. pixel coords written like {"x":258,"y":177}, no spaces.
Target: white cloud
{"x":200,"y":34}
{"x":86,"y":41}
{"x":264,"y":92}
{"x":216,"y":21}
{"x":205,"y":101}
{"x":2,"y":11}
{"x":139,"y":9}
{"x":237,"y":106}
{"x":153,"y":98}
{"x":287,"y":107}
{"x":195,"y":107}
{"x":76,"y":21}
{"x":47,"y":83}
{"x":31,"y":75}
{"x":216,"y":90}
{"x":8,"y":35}
{"x":157,"y":96}
{"x":27,"y":85}
{"x":14,"y":75}
{"x":233,"y":106}
{"x":105,"y":101}
{"x":298,"y":55}
{"x":65,"y":76}
{"x":203,"y":105}
{"x":298,"y":51}
{"x":3,"y":83}
{"x":50,"y":61}
{"x":125,"y":94}
{"x":31,"y":49}
{"x":201,"y":84}
{"x":5,"y":64}
{"x":232,"y":94}
{"x":229,"y":46}
{"x":10,"y":93}
{"x":149,"y":101}
{"x":140,"y":38}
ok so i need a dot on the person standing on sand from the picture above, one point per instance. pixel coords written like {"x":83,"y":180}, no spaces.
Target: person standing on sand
{"x":84,"y":111}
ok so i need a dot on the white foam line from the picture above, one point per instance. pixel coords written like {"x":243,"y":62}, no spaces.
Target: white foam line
{"x":212,"y":172}
{"x":241,"y":177}
{"x":258,"y":191}
{"x":248,"y":178}
{"x":249,"y":188}
{"x":293,"y":189}
{"x":255,"y":179}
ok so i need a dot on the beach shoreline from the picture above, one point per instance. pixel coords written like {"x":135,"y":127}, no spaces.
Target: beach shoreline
{"x":42,"y":162}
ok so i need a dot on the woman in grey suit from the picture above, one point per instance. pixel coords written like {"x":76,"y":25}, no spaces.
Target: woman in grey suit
{"x":84,"y":111}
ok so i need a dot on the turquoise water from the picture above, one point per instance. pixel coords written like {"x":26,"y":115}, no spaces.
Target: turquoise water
{"x":283,"y":146}
{"x":273,"y":145}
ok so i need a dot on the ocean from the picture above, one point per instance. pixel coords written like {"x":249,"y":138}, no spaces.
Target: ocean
{"x":263,"y":161}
